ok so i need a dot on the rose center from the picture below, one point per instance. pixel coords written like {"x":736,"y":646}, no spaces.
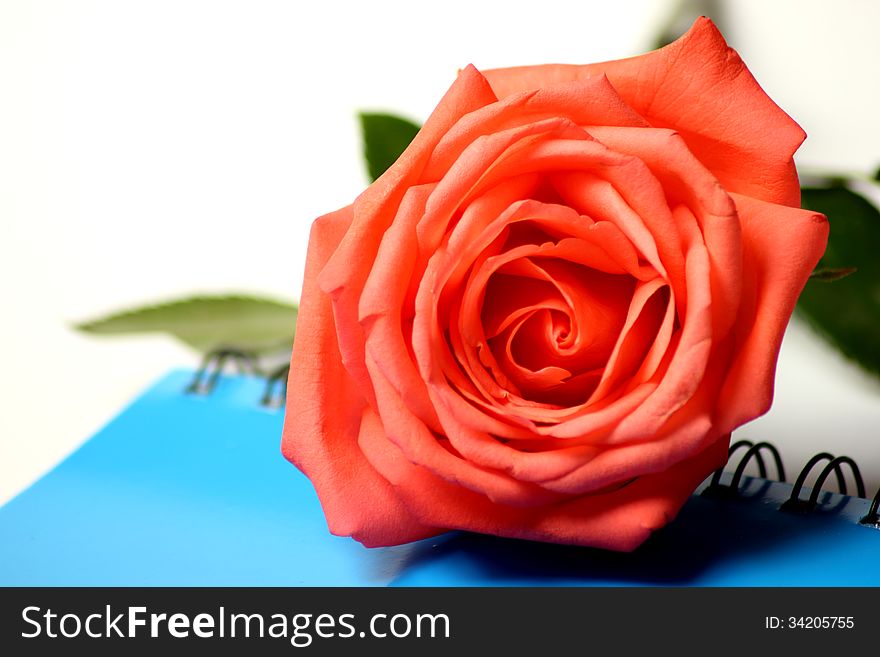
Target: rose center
{"x":552,"y":325}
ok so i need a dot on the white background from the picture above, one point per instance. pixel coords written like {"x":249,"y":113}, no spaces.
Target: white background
{"x":154,"y":149}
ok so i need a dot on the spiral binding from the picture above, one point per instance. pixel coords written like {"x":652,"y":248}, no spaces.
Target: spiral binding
{"x":215,"y":361}
{"x":872,"y":518}
{"x":754,"y":451}
{"x":794,"y":503}
{"x":276,"y":387}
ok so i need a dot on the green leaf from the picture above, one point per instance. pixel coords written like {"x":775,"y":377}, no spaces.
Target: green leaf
{"x":847,"y":313}
{"x":250,"y":323}
{"x":385,"y":137}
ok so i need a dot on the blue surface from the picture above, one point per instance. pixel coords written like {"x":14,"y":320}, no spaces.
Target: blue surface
{"x":186,"y":489}
{"x":182,"y":489}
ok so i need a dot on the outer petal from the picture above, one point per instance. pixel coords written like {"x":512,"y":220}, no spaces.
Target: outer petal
{"x":700,"y":87}
{"x":619,"y":519}
{"x":324,"y":413}
{"x":348,"y":268}
{"x":590,"y":101}
{"x":781,"y":246}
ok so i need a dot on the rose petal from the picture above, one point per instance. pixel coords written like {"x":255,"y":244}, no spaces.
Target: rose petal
{"x":603,"y":184}
{"x":594,"y":302}
{"x":619,"y":519}
{"x":781,"y":247}
{"x":676,"y":87}
{"x":384,"y":309}
{"x":640,"y":330}
{"x":502,"y":419}
{"x":687,"y":434}
{"x":472,"y":173}
{"x":420,"y":447}
{"x":592,"y":101}
{"x":323,"y":417}
{"x":686,"y":180}
{"x":346,"y":271}
{"x":588,"y":297}
{"x":688,"y":366}
{"x":599,"y":199}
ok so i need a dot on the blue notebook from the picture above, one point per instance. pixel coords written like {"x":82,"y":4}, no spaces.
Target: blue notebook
{"x":186,"y":489}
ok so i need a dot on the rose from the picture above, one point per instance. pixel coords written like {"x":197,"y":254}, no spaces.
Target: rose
{"x":545,"y":319}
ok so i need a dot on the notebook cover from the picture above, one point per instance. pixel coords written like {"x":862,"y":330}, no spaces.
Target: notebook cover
{"x":184,"y":490}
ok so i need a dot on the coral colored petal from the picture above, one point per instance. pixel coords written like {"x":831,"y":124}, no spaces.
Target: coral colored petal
{"x":419,"y":446}
{"x":383,"y":306}
{"x":482,"y":222}
{"x":472,"y":173}
{"x":534,"y":466}
{"x":687,"y":431}
{"x":346,"y":271}
{"x":595,"y":421}
{"x":625,"y":518}
{"x":597,"y":198}
{"x":640,"y":330}
{"x":323,"y":417}
{"x":688,"y":365}
{"x":606,"y":185}
{"x":620,"y":519}
{"x":699,"y":86}
{"x":781,"y":246}
{"x":617,"y":188}
{"x":687,"y":182}
{"x":591,"y":101}
{"x":619,"y":462}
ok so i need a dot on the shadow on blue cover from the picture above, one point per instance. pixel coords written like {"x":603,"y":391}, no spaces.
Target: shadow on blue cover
{"x":186,"y":490}
{"x":744,"y":541}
